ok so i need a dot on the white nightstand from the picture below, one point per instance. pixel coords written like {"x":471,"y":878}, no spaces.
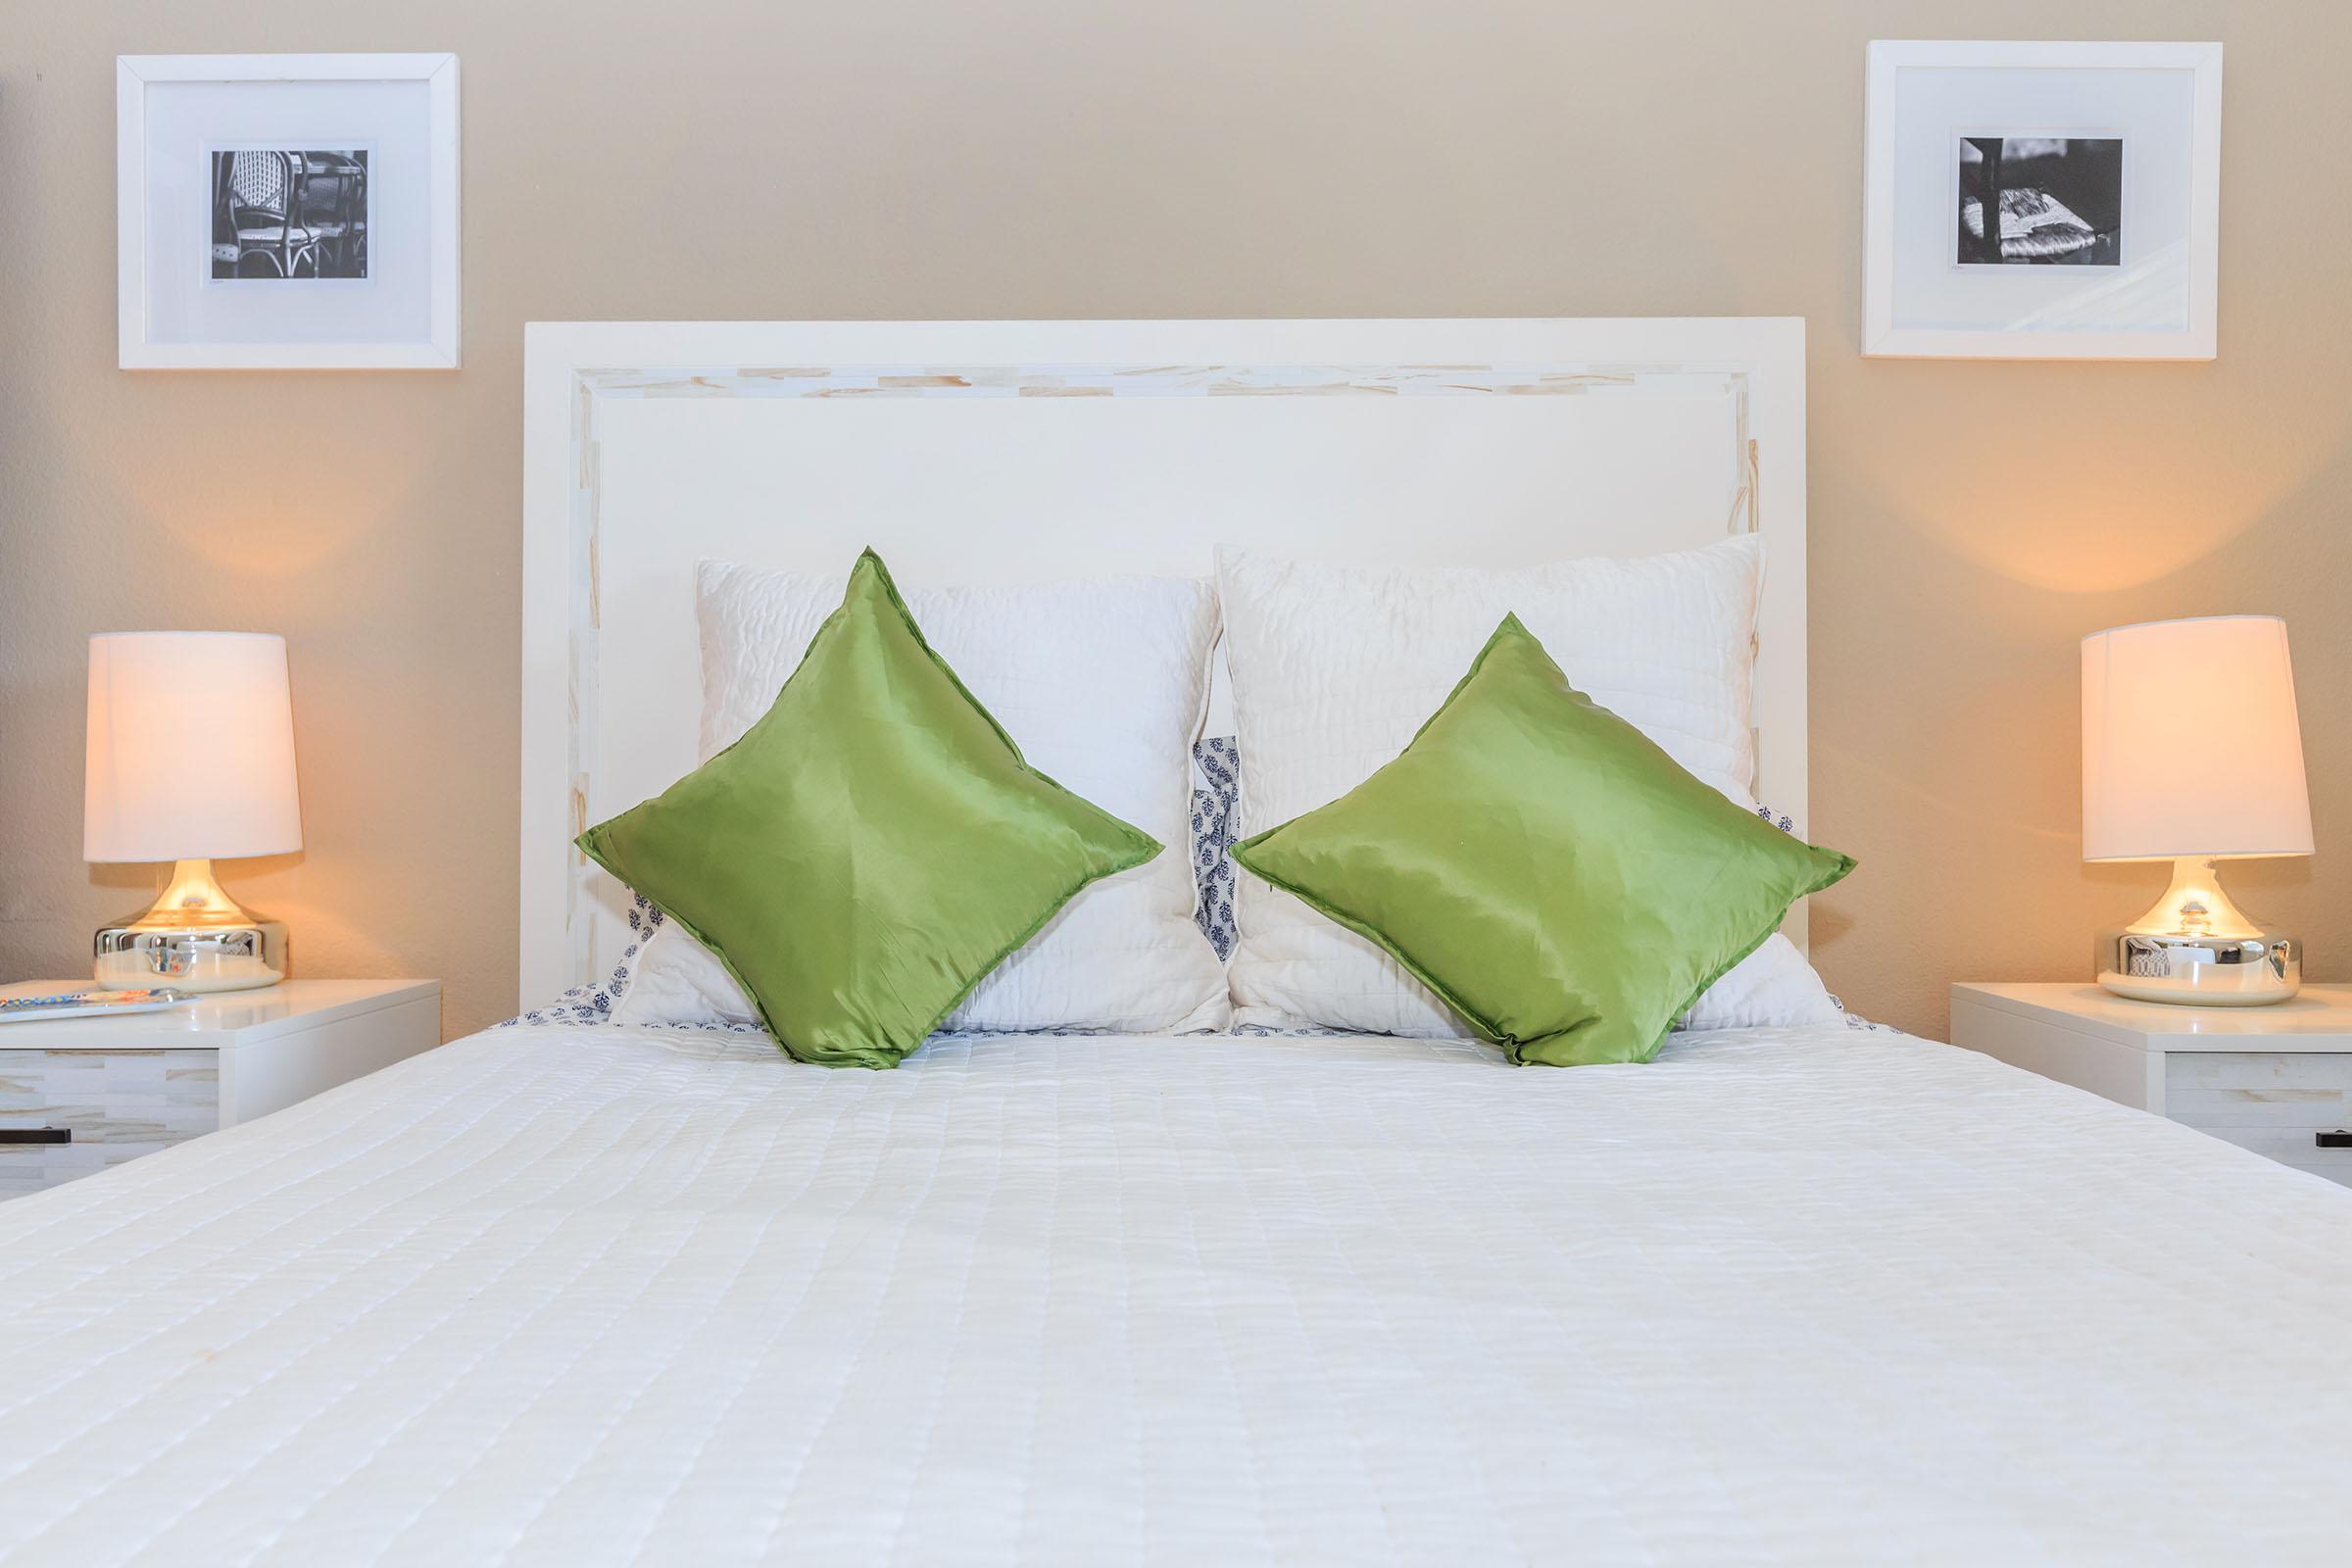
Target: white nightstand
{"x":91,"y":1093}
{"x":2277,"y":1080}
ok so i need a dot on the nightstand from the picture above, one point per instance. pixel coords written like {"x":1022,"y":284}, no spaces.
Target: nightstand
{"x":78,"y":1094}
{"x":2277,"y":1080}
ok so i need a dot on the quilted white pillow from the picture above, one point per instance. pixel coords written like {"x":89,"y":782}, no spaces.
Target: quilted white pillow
{"x":1103,"y":685}
{"x":1334,"y":669}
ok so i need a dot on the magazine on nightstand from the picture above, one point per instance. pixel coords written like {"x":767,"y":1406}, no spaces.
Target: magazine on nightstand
{"x":90,"y":1002}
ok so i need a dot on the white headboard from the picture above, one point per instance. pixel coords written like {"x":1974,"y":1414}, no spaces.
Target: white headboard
{"x":1012,"y":451}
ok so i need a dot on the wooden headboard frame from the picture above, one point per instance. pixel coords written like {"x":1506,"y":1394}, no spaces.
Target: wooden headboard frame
{"x":1010,"y":450}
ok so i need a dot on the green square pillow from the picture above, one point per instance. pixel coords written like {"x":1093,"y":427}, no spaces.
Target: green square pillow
{"x":871,"y":848}
{"x":1540,"y":864}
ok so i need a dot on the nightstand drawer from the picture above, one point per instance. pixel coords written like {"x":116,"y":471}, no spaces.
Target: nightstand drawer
{"x":2273,"y":1102}
{"x":2270,"y":1079}
{"x":115,"y":1104}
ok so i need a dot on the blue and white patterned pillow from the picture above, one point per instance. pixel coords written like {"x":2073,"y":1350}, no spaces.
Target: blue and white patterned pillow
{"x":593,"y":1003}
{"x":1214,"y":813}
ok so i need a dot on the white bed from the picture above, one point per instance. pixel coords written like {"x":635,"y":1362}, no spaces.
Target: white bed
{"x":580,"y":1295}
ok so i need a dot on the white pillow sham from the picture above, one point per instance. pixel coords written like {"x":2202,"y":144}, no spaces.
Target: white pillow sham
{"x":1103,"y":685}
{"x":1773,"y":987}
{"x":1334,"y":669}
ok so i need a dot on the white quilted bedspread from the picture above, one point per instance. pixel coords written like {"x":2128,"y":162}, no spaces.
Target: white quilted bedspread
{"x":593,"y":1295}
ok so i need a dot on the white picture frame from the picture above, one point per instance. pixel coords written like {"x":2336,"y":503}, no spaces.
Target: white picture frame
{"x":2156,"y":299}
{"x":174,"y":112}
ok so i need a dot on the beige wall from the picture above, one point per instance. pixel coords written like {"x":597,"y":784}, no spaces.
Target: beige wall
{"x":1108,"y":158}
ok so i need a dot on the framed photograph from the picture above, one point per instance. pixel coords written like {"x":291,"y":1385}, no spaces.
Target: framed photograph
{"x":287,"y":211}
{"x":2042,"y":200}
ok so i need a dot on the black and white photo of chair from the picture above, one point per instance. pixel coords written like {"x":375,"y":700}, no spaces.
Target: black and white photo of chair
{"x":289,"y":213}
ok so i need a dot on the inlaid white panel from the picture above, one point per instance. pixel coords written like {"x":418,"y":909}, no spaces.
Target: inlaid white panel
{"x":119,"y":1104}
{"x":2273,"y":1102}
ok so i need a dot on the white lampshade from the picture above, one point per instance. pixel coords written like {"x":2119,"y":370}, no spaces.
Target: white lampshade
{"x":191,"y":748}
{"x":2190,"y":744}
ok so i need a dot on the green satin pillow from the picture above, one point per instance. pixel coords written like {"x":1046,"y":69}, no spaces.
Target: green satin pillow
{"x":871,"y":848}
{"x":1540,"y":864}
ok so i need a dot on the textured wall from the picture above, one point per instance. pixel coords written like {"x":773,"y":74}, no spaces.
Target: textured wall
{"x":1111,"y":158}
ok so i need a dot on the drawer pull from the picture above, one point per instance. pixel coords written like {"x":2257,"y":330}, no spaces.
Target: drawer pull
{"x":36,"y":1135}
{"x":2339,"y":1139}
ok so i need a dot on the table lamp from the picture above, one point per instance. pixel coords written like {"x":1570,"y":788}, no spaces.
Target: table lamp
{"x":2191,"y":753}
{"x":191,"y":759}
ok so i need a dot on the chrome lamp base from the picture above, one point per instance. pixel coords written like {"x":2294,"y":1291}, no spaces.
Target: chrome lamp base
{"x":195,"y":938}
{"x":2197,"y":948}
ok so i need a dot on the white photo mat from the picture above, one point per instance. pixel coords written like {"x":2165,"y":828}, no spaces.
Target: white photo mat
{"x":173,"y":113}
{"x":2156,"y":300}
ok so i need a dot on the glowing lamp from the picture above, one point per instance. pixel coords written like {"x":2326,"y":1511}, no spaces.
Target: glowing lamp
{"x":2191,"y":753}
{"x":190,"y":758}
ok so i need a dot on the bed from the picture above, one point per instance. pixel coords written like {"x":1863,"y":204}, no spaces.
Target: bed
{"x":579,"y":1295}
{"x":576,"y":1293}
